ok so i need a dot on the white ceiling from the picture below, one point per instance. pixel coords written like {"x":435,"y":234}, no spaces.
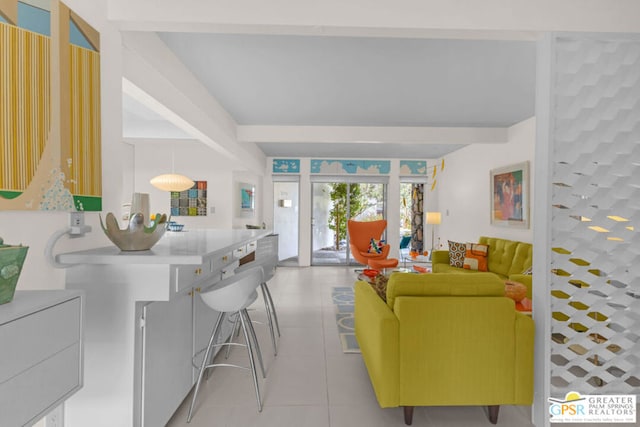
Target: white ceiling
{"x":288,"y":80}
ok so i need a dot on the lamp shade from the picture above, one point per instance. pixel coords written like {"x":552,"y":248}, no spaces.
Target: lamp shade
{"x":434,"y":218}
{"x":172,"y":182}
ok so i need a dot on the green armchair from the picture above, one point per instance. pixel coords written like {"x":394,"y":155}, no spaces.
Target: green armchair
{"x":445,"y":339}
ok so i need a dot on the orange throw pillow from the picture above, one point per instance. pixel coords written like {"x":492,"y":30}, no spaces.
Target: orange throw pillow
{"x":475,"y":257}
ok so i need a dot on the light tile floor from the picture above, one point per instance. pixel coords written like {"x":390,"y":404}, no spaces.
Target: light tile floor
{"x":312,"y":383}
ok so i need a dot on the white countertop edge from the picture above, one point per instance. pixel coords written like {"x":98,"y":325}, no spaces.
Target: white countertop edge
{"x":170,"y":250}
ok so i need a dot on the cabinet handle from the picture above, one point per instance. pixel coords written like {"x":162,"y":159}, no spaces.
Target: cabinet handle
{"x":190,"y":293}
{"x":225,"y":258}
{"x":198,"y":271}
{"x":198,"y":289}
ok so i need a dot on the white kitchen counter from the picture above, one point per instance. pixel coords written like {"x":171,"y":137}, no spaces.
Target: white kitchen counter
{"x":145,"y":322}
{"x":184,"y":247}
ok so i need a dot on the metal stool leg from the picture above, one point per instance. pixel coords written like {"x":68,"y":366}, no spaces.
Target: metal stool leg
{"x":252,"y":333}
{"x":265,"y":288}
{"x":203,"y":366}
{"x":270,"y":319}
{"x":246,"y":324}
{"x":234,"y":332}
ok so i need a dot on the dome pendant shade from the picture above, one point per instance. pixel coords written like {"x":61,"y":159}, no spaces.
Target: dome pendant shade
{"x":172,"y":182}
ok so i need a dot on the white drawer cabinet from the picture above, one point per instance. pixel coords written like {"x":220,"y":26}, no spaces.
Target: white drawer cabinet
{"x":41,"y":353}
{"x":267,"y":246}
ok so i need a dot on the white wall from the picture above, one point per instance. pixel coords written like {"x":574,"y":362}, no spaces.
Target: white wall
{"x":190,"y":158}
{"x":463,"y":192}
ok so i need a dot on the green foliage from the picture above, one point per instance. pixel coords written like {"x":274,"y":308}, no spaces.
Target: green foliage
{"x":405,"y":207}
{"x":338,"y":213}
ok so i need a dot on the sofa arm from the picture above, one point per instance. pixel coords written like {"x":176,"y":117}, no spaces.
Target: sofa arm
{"x":524,"y":359}
{"x":525,"y":279}
{"x":440,"y":257}
{"x":377,"y":332}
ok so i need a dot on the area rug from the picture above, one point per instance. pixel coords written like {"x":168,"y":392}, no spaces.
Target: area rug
{"x":343,"y":300}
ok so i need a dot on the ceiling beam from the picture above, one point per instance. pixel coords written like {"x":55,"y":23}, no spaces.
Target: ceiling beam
{"x":157,"y":79}
{"x":496,"y":16}
{"x":372,"y":134}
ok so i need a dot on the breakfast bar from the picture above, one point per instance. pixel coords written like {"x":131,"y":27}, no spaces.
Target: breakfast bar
{"x":144,"y":321}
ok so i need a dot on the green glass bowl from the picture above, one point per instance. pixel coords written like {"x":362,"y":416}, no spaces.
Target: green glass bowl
{"x":11,"y":261}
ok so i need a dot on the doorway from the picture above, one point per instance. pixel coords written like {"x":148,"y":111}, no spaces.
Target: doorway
{"x":286,"y":221}
{"x":334,"y":202}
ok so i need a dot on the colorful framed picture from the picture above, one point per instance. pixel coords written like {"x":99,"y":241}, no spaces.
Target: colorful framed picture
{"x":510,"y":196}
{"x":247,"y":199}
{"x":191,"y":202}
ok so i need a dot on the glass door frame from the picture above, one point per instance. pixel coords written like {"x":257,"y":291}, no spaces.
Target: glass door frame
{"x":349,"y":179}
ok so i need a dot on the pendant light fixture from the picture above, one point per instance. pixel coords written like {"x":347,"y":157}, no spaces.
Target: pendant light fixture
{"x":172,"y":181}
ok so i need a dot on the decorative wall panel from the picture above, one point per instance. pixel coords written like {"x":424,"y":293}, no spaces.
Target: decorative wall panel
{"x":350,"y":167}
{"x":24,"y":103}
{"x":85,"y":169}
{"x":595,"y":254}
{"x":286,"y":166}
{"x":413,"y":167}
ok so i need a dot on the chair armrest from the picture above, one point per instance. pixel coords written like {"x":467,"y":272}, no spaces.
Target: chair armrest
{"x":385,"y":251}
{"x":525,"y":329}
{"x":440,"y":257}
{"x":377,"y":331}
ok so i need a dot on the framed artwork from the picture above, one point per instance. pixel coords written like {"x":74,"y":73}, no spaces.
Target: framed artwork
{"x":51,"y":145}
{"x":510,"y":196}
{"x":247,"y":199}
{"x":191,"y":202}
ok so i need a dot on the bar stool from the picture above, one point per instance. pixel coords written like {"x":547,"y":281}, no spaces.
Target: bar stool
{"x":268,"y":265}
{"x":229,"y":296}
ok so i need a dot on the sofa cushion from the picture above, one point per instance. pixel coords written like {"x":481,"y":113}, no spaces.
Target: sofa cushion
{"x":522,"y":259}
{"x":456,"y":254}
{"x":443,"y":284}
{"x":475,"y":257}
{"x":501,"y":253}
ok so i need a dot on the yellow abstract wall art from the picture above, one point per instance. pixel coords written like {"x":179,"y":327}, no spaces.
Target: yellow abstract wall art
{"x":50,"y":145}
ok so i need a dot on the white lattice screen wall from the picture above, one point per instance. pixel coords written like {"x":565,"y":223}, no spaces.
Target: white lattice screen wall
{"x":595,"y":285}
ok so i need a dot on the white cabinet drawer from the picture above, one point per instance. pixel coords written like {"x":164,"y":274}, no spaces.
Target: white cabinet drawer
{"x":251,"y":247}
{"x":188,"y":275}
{"x":229,"y":270}
{"x":240,"y":252}
{"x":28,"y":340}
{"x":27,"y":397}
{"x":221,"y":260}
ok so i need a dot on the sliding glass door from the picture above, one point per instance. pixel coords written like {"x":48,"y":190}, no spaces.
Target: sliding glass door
{"x":334,"y":202}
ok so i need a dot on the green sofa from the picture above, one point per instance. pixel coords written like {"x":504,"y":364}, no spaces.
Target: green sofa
{"x":445,"y":340}
{"x":507,"y":258}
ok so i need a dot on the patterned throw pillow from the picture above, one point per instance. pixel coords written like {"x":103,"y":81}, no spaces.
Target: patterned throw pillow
{"x":528,"y":271}
{"x":375,"y":246}
{"x":475,"y":257}
{"x":379,"y":284}
{"x":456,"y":254}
